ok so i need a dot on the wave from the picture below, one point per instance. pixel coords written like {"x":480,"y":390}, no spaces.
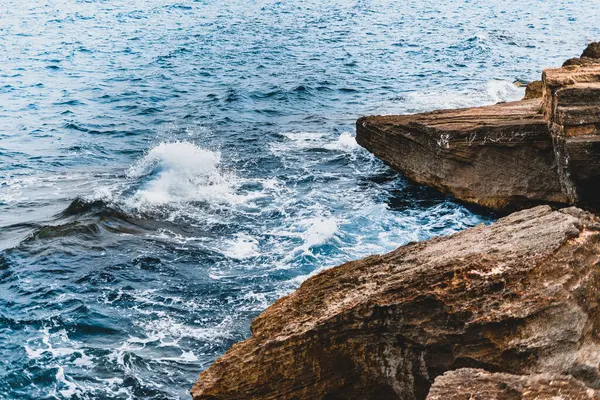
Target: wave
{"x":494,"y":91}
{"x":181,"y":172}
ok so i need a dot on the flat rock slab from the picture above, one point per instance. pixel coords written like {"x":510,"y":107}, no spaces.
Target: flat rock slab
{"x":477,"y":384}
{"x":519,"y":296}
{"x":498,"y":156}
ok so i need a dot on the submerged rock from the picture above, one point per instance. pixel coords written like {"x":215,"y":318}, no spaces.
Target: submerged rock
{"x":518,"y":297}
{"x":477,"y":384}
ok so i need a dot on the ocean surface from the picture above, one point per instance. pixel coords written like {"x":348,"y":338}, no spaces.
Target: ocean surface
{"x":168,"y":168}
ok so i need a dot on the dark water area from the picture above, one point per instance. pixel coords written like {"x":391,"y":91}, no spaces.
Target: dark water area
{"x":169,"y":169}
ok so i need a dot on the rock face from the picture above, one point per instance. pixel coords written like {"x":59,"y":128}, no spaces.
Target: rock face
{"x":505,"y":156}
{"x":533,"y":90}
{"x":499,"y":156}
{"x":518,"y":297}
{"x":591,"y":55}
{"x":571,"y":105}
{"x":477,"y":384}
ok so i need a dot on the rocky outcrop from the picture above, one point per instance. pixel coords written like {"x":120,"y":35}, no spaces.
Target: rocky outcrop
{"x":477,"y":384}
{"x":571,"y":105}
{"x":518,"y":297}
{"x":543,"y":149}
{"x":591,"y":55}
{"x":499,"y":156}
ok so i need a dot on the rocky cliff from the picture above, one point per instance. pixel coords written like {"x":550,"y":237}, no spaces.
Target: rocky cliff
{"x":517,"y":300}
{"x":543,"y":149}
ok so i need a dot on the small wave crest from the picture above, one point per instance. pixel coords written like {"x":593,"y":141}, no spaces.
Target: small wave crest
{"x":180,"y":172}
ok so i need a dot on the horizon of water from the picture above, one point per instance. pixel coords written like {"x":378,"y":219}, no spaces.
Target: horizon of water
{"x":168,"y":169}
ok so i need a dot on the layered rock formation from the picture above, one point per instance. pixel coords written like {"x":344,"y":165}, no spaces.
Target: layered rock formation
{"x":518,"y":297}
{"x":543,"y":149}
{"x":499,"y":156}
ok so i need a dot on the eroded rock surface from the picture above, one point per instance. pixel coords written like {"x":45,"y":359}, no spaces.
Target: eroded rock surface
{"x":533,"y":90}
{"x":591,"y":55}
{"x":519,"y":297}
{"x":498,"y":156}
{"x":477,"y":384}
{"x":543,"y":149}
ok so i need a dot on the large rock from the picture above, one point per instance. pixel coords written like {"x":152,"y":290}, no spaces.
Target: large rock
{"x":477,"y":384}
{"x":519,"y":297}
{"x":591,"y":55}
{"x":498,"y":156}
{"x":571,"y":105}
{"x":533,"y":90}
{"x":505,"y":156}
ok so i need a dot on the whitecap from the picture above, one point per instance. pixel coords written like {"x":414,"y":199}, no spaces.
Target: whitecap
{"x":502,"y":90}
{"x":319,"y":231}
{"x":176,"y":172}
{"x":243,"y":246}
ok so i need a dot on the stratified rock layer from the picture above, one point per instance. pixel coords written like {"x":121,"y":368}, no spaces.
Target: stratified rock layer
{"x":519,"y":297}
{"x":571,"y":105}
{"x":477,"y":384}
{"x":499,"y":156}
{"x":506,"y":156}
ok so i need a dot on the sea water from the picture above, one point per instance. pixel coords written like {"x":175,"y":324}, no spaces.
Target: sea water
{"x":168,"y":168}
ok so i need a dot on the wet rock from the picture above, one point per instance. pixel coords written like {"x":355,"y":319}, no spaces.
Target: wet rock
{"x":518,"y":297}
{"x":592,"y":50}
{"x":498,"y":156}
{"x":477,"y":384}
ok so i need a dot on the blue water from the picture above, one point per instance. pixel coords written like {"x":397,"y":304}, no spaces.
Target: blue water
{"x":169,"y":169}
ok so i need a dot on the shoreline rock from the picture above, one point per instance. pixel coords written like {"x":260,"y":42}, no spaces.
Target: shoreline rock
{"x":467,"y":383}
{"x":498,"y":156}
{"x":518,"y":297}
{"x":544,"y":149}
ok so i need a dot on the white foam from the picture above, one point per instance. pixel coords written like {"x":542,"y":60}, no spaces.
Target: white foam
{"x":180,"y":172}
{"x":71,"y":388}
{"x":345,"y":142}
{"x":319,"y":231}
{"x":501,"y":90}
{"x":315,"y":140}
{"x":243,"y":246}
{"x":495,"y":91}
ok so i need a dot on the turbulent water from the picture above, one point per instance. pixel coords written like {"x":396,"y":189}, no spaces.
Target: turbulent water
{"x":168,"y":169}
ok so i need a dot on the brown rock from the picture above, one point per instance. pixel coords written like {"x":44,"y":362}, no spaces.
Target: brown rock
{"x":592,"y":50}
{"x":477,"y":384}
{"x":498,"y":156}
{"x":591,"y":55}
{"x":533,"y":90}
{"x":519,"y":296}
{"x":572,"y":108}
{"x":568,"y":89}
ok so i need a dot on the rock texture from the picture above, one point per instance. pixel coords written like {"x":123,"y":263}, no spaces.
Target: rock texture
{"x":543,"y":149}
{"x":477,"y":384}
{"x":499,"y":156}
{"x":518,"y":297}
{"x":591,"y":55}
{"x":533,"y":90}
{"x":571,"y":105}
